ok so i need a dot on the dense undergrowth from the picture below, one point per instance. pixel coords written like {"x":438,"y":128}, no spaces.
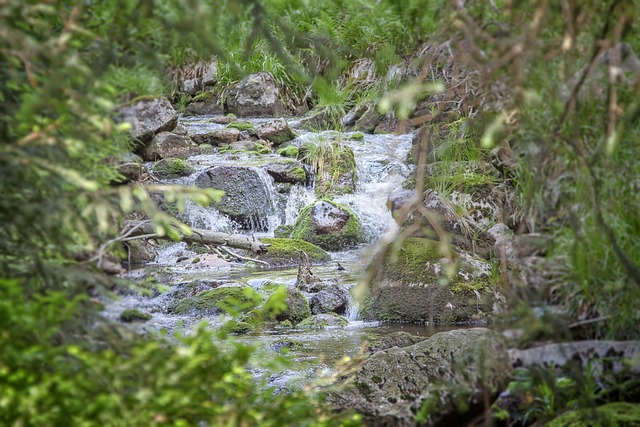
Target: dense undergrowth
{"x":67,"y":65}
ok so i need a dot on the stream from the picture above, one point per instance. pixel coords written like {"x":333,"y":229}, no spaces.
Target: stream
{"x":381,"y":167}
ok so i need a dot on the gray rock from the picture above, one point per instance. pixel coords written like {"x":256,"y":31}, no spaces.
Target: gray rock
{"x":354,"y":114}
{"x":332,"y":299}
{"x":210,"y":76}
{"x":244,"y":145}
{"x":321,"y":321}
{"x":130,"y":167}
{"x":287,"y":171}
{"x":316,"y":119}
{"x":180,"y":129}
{"x":328,"y":218}
{"x":217,"y":137}
{"x":447,"y":377}
{"x":246,"y":200}
{"x":192,"y":86}
{"x":276,"y":131}
{"x":256,"y":95}
{"x":169,"y":144}
{"x":148,"y":117}
{"x":171,"y":168}
{"x":205,"y":108}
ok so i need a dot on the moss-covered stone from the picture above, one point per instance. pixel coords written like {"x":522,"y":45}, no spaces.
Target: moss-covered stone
{"x":242,"y":298}
{"x":358,"y":136}
{"x":287,"y":252}
{"x":290,"y":151}
{"x":297,"y":307}
{"x":322,"y":321}
{"x":619,"y":414}
{"x":283,"y":231}
{"x":334,"y":165}
{"x":133,"y":315}
{"x":206,"y":149}
{"x":413,"y":286}
{"x":286,"y":344}
{"x":348,"y":235}
{"x":241,"y":125}
{"x":171,"y":168}
{"x":262,"y":149}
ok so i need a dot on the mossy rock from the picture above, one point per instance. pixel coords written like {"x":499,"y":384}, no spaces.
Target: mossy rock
{"x":283,"y":231}
{"x":344,"y":232}
{"x":171,"y":168}
{"x":206,"y":149}
{"x":132,"y":315}
{"x":412,"y":286}
{"x":290,"y":151}
{"x":357,"y":136}
{"x":619,"y":414}
{"x":241,"y":125}
{"x":214,"y":301}
{"x":322,"y":321}
{"x":286,"y":252}
{"x":334,"y":165}
{"x":297,"y":307}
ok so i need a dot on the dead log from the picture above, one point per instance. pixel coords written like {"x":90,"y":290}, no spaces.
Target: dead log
{"x":206,"y":237}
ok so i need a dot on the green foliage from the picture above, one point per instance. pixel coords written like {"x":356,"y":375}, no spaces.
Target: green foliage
{"x":200,"y":379}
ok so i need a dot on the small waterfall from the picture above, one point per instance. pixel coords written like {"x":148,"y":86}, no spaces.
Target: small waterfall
{"x":299,"y":197}
{"x":271,"y":221}
{"x":206,"y":217}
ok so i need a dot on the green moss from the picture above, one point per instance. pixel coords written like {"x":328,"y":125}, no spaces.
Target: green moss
{"x":283,"y":231}
{"x":334,"y":165}
{"x":290,"y":151}
{"x":358,"y":136}
{"x":241,"y":125}
{"x":171,"y":168}
{"x":299,"y":173}
{"x":206,"y":148}
{"x":241,"y":328}
{"x":215,"y":300}
{"x":133,"y":315}
{"x":409,"y":264}
{"x":287,"y":344}
{"x":262,"y":149}
{"x":203,"y":96}
{"x":619,"y":414}
{"x":349,"y":236}
{"x":287,"y":251}
{"x":285,"y":324}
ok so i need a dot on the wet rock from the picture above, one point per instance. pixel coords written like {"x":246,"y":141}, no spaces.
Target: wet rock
{"x":396,"y":339}
{"x":210,"y":75}
{"x":148,"y":116}
{"x":276,"y":131}
{"x":329,"y":225}
{"x":287,"y":343}
{"x":449,"y":377}
{"x":287,"y":171}
{"x":180,"y":129}
{"x":139,"y":252}
{"x":318,"y":119}
{"x":171,"y":168}
{"x":418,"y":284}
{"x":169,"y":144}
{"x":247,"y":200}
{"x":322,"y":321}
{"x":256,"y":95}
{"x":389,"y":124}
{"x":332,"y":299}
{"x":217,"y":137}
{"x":286,"y":252}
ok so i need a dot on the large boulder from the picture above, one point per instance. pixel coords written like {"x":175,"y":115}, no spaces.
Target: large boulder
{"x":147,"y":117}
{"x":247,"y":200}
{"x":332,"y":299}
{"x":256,"y":95}
{"x":218,"y":300}
{"x":444,"y":380}
{"x":287,"y":171}
{"x":417,"y":284}
{"x":277,"y":132}
{"x":168,"y":144}
{"x":329,"y":225}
